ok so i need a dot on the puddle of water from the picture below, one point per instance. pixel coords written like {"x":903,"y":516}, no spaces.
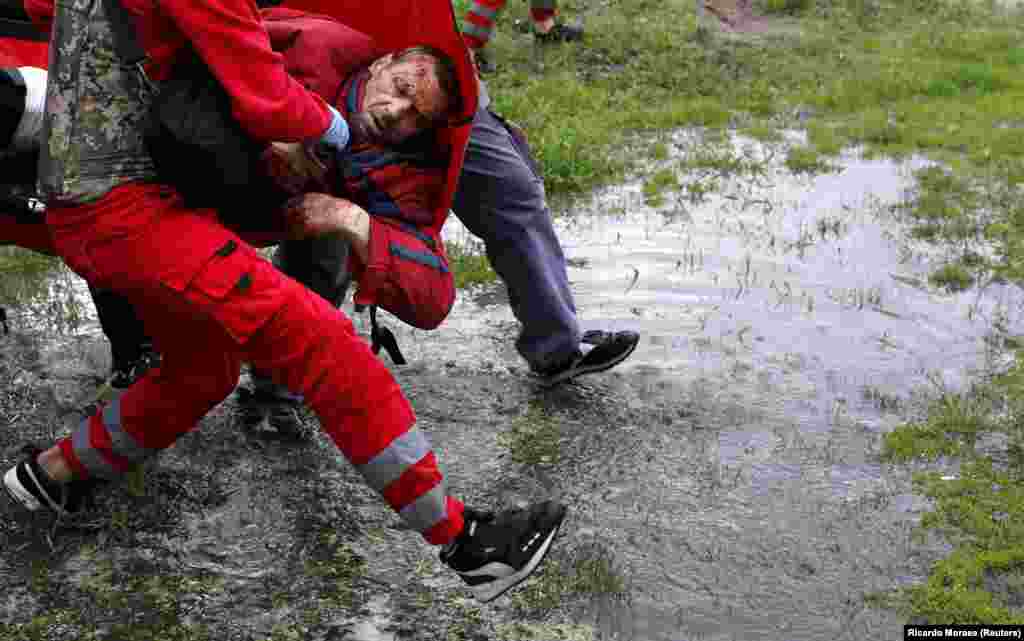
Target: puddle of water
{"x":43,"y":295}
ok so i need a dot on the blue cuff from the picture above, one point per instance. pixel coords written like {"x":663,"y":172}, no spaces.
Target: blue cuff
{"x":337,"y":134}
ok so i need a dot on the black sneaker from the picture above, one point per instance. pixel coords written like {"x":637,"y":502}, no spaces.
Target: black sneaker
{"x":29,"y":486}
{"x":496,"y":553}
{"x":560,"y":33}
{"x":124,"y":374}
{"x":606,"y":350}
{"x":266,"y":413}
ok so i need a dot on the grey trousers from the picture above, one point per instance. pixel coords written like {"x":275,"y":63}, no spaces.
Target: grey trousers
{"x":501,"y":200}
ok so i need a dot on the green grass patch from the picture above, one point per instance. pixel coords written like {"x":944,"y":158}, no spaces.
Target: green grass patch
{"x":980,"y":511}
{"x":25,"y":274}
{"x":825,"y":138}
{"x":953,"y":423}
{"x":721,"y":160}
{"x":952,"y":277}
{"x":656,"y":185}
{"x":806,"y":160}
{"x":534,"y":438}
{"x":129,"y":604}
{"x":469,"y":266}
{"x":585,"y":572}
{"x":333,"y":567}
{"x":789,"y":7}
{"x":763,"y":132}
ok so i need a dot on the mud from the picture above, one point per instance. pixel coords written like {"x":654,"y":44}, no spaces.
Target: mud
{"x":724,"y":482}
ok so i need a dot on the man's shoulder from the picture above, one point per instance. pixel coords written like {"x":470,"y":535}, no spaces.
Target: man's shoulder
{"x":318,"y":51}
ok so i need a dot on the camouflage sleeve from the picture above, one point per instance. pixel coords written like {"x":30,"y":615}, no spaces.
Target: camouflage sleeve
{"x":229,"y":36}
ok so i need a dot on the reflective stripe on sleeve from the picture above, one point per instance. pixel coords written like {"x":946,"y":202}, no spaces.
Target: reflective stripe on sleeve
{"x":88,"y":456}
{"x":122,"y":443}
{"x":404,"y":452}
{"x":426,"y":511}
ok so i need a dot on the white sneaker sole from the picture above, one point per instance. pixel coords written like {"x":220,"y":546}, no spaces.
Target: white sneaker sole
{"x":487,"y":592}
{"x":18,"y":493}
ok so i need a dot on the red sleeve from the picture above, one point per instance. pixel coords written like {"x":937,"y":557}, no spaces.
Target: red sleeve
{"x":416,"y":193}
{"x":229,"y":37}
{"x":41,"y":12}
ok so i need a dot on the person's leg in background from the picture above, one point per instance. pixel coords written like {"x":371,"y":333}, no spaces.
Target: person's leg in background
{"x":131,"y":349}
{"x":321,"y":264}
{"x":547,"y":28}
{"x":480,"y":18}
{"x":501,"y":199}
{"x":477,"y":29}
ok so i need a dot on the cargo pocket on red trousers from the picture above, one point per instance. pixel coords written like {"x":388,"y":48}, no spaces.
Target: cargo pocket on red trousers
{"x":230,"y":287}
{"x":407,"y":274}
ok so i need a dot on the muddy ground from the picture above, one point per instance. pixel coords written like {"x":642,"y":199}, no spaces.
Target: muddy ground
{"x":724,"y":483}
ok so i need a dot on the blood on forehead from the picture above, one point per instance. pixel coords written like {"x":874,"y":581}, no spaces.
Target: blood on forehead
{"x":427,"y":95}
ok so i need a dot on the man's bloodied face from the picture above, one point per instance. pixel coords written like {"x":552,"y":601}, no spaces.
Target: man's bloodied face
{"x":401,"y":100}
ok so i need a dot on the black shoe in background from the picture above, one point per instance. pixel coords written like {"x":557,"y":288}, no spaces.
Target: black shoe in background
{"x":604,"y":351}
{"x":267,"y":413}
{"x":561,"y":32}
{"x":124,"y":374}
{"x":495,"y":553}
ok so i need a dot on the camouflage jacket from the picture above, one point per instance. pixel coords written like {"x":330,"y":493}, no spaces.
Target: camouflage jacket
{"x":96,"y":109}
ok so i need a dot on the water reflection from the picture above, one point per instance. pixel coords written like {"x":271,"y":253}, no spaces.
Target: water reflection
{"x":41,"y":294}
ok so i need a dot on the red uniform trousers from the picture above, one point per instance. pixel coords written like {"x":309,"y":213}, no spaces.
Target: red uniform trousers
{"x":211,"y":302}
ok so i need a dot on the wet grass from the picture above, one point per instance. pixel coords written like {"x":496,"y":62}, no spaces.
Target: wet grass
{"x":25,"y":274}
{"x":127,"y":603}
{"x":895,"y":78}
{"x":657,"y":184}
{"x":980,"y":510}
{"x":469,"y":265}
{"x":533,"y":438}
{"x":584,"y":573}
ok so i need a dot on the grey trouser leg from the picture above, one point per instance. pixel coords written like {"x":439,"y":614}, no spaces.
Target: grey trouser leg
{"x":321,"y":264}
{"x":501,"y":199}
